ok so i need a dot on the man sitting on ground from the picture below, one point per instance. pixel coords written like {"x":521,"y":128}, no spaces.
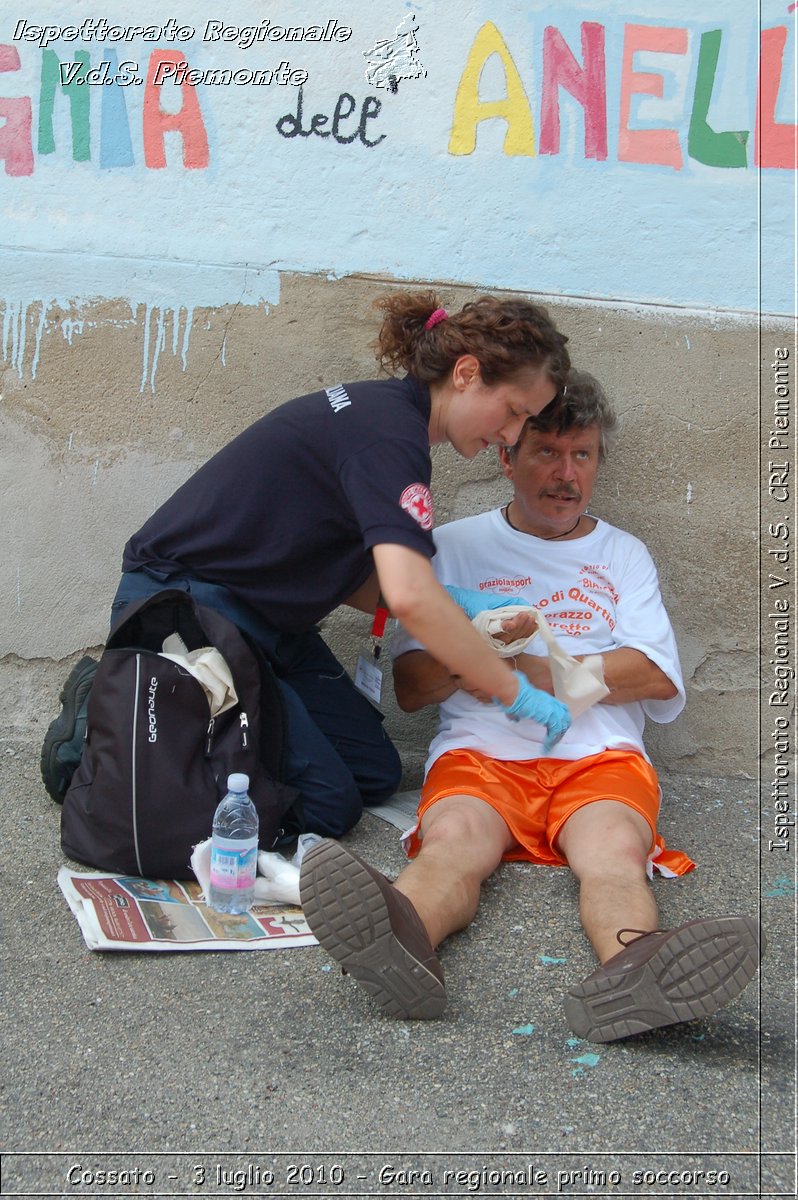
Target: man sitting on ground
{"x":493,"y":793}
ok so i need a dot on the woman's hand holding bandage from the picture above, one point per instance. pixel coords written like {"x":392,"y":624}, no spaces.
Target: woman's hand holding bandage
{"x":530,"y":704}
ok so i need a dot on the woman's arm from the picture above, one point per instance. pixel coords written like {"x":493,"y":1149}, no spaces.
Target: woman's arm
{"x":429,"y":615}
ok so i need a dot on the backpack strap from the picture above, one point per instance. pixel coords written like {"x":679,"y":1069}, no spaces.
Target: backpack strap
{"x":145,"y":623}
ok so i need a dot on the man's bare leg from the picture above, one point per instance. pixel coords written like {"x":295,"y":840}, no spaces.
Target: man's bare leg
{"x":384,"y":934}
{"x":664,"y":976}
{"x":463,"y":840}
{"x":606,"y":845}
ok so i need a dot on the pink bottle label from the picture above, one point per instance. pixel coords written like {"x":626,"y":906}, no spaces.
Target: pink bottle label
{"x":234,"y":864}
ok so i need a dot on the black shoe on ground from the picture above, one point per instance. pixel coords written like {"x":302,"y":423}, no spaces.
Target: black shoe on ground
{"x":63,"y":742}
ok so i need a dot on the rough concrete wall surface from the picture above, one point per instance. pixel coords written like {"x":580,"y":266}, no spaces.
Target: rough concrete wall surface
{"x":182,"y":251}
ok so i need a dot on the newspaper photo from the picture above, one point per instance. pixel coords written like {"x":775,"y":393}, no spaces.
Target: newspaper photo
{"x":120,"y":912}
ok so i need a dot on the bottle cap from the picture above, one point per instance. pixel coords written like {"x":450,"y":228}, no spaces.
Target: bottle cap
{"x":238,"y":783}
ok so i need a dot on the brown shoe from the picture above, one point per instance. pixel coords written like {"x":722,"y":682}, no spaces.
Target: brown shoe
{"x":665,"y":977}
{"x":372,"y":930}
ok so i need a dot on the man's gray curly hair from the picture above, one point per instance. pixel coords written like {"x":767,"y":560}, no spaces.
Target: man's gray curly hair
{"x":580,"y":404}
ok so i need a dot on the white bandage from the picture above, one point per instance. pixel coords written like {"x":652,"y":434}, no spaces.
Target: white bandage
{"x":580,"y":685}
{"x":595,"y":665}
{"x":490,"y":622}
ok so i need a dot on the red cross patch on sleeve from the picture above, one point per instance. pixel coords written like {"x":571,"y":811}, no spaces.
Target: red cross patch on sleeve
{"x":417,"y":500}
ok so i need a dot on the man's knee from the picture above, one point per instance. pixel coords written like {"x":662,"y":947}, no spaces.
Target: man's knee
{"x":468,"y":830}
{"x":604,"y":838}
{"x":447,"y":828}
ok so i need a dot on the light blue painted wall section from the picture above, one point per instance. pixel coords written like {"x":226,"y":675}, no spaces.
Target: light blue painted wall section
{"x":387,"y":195}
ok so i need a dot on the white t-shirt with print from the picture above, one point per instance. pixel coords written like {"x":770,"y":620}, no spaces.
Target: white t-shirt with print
{"x":597,"y":592}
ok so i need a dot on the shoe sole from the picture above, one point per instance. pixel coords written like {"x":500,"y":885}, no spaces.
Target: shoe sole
{"x":62,"y":729}
{"x":696,"y":971}
{"x":349,"y":916}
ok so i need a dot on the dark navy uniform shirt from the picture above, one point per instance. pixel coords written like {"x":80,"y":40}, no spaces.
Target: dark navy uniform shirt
{"x":285,"y":515}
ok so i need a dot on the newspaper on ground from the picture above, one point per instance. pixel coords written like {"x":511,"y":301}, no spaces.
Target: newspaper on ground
{"x":126,"y":912}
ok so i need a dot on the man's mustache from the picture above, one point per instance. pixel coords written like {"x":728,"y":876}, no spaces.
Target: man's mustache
{"x":562,"y":493}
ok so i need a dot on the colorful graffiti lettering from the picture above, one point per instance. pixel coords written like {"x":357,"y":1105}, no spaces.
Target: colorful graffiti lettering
{"x":774,"y":143}
{"x":16,"y":146}
{"x":582,"y":74}
{"x":116,"y":147}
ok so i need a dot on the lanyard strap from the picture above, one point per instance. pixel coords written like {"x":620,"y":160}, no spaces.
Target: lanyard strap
{"x":380,"y":621}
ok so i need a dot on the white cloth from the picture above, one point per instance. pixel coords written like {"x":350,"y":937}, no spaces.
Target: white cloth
{"x":277,"y":881}
{"x":598,"y":593}
{"x":208,"y":667}
{"x":490,"y":622}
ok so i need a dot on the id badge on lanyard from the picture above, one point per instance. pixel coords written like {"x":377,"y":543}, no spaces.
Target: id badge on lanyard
{"x":368,"y":673}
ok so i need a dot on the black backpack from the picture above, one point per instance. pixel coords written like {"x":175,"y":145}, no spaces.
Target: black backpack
{"x":154,"y":764}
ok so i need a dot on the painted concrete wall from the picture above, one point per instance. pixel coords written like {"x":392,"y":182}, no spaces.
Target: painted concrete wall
{"x":182,"y":249}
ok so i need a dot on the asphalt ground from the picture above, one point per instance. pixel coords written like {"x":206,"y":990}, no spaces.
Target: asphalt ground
{"x":271,"y":1074}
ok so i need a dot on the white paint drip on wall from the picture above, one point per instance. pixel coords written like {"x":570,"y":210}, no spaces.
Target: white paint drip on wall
{"x":39,"y":332}
{"x":14,"y":333}
{"x":69,"y":328}
{"x":187,"y":335}
{"x":149,"y":365}
{"x":689,"y":493}
{"x":158,"y":293}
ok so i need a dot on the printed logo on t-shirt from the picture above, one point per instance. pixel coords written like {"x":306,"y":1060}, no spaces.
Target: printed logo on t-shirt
{"x":597,"y":577}
{"x":338,"y":397}
{"x":502,"y":584}
{"x":417,"y":500}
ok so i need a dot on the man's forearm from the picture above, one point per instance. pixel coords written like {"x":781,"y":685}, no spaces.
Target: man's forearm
{"x":419,"y":680}
{"x":628,"y":673}
{"x":631,"y":675}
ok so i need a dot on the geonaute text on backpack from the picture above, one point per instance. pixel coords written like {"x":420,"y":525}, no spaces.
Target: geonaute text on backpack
{"x":152,"y":720}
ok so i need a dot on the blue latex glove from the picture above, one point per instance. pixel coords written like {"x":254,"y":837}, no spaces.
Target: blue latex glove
{"x":476,"y":602}
{"x":534,"y":705}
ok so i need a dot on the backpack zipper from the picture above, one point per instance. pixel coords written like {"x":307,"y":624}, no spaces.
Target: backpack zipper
{"x":244,"y":721}
{"x":209,"y":738}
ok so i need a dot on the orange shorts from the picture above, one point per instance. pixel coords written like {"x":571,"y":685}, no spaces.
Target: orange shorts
{"x":536,"y":797}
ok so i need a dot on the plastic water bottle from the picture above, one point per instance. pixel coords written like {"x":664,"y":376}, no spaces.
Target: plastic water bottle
{"x":234,"y":850}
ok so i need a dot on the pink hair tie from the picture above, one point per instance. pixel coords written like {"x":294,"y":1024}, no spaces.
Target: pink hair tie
{"x":439,"y":315}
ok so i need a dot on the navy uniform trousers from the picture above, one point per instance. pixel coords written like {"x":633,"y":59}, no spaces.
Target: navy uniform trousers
{"x":338,"y":755}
